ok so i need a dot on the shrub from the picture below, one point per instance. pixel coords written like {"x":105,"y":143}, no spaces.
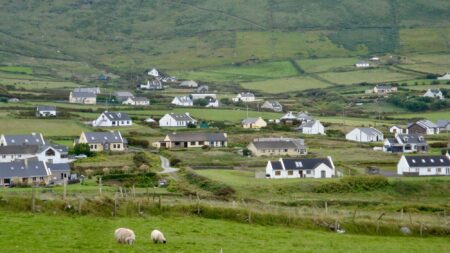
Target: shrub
{"x":353,"y":184}
{"x":174,"y":161}
{"x":438,"y":145}
{"x":141,"y":158}
{"x":334,"y":133}
{"x":217,"y":188}
{"x":82,"y":148}
{"x":148,"y":179}
{"x":137,"y":142}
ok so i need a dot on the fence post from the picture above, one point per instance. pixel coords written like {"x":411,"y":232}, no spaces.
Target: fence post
{"x":79,"y":205}
{"x":134,"y":192}
{"x":65,"y":189}
{"x":139,"y":208}
{"x":198,"y":204}
{"x":33,"y":200}
{"x":100,"y":186}
{"x":326,"y":208}
{"x":378,"y":222}
{"x":159,"y":202}
{"x":115,"y":205}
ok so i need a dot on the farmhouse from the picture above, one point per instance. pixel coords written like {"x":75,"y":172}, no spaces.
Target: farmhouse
{"x":112,"y":119}
{"x":22,"y":140}
{"x":434,"y":93}
{"x":26,"y":171}
{"x":123,"y":95}
{"x":424,"y":165}
{"x":152,"y":85}
{"x":202,"y":89}
{"x":277,"y":147}
{"x":364,"y":134}
{"x":244,"y":97}
{"x":384,"y":89}
{"x":183,"y":101}
{"x":423,"y":127}
{"x":443,"y":125}
{"x":362,"y":64}
{"x":45,"y":111}
{"x":189,"y":84}
{"x":177,"y":120}
{"x":311,"y":127}
{"x":193,"y":140}
{"x":396,"y":130}
{"x":301,"y":168}
{"x":444,"y":77}
{"x":272,"y":105}
{"x":405,"y":143}
{"x":137,"y":101}
{"x":291,"y":119}
{"x":103,"y":141}
{"x":254,"y":123}
{"x":81,"y":97}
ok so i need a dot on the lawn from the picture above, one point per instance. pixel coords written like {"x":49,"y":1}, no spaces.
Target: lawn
{"x":424,"y":39}
{"x":285,"y":84}
{"x":48,"y":127}
{"x":16,"y":69}
{"x":188,"y":234}
{"x":327,"y":64}
{"x":369,"y":75}
{"x":433,"y":116}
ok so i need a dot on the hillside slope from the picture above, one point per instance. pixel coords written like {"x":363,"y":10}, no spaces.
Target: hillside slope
{"x":130,"y":36}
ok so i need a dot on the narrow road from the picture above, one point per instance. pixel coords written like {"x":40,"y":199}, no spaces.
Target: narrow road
{"x":165,"y":164}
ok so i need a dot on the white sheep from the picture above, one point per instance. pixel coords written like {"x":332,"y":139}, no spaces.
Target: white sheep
{"x":124,"y":235}
{"x":157,"y":236}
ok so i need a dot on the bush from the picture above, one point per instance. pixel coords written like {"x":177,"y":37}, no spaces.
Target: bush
{"x":438,"y":144}
{"x":334,"y":133}
{"x":148,"y":179}
{"x":174,"y":161}
{"x":246,"y":152}
{"x":141,"y":158}
{"x":137,"y":142}
{"x":353,"y":184}
{"x":82,"y":148}
{"x":217,"y":188}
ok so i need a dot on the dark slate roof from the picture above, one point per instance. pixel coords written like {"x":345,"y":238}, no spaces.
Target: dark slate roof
{"x":181,"y":117}
{"x":60,"y":148}
{"x":383,"y":87}
{"x":276,"y":165}
{"x":124,"y":94}
{"x":278,"y":143}
{"x":41,"y":108}
{"x":197,"y":136}
{"x":249,"y":121}
{"x":104,"y":137}
{"x":247,"y":94}
{"x":306,"y":163}
{"x":82,"y":94}
{"x":24,"y":139}
{"x":370,"y":131}
{"x":442,"y":123}
{"x":308,"y":123}
{"x":22,"y":168}
{"x":412,"y":138}
{"x":428,"y":161}
{"x":117,"y":115}
{"x":94,"y":90}
{"x":426,"y":124}
{"x":141,"y":99}
{"x":20,"y":150}
{"x":58,"y":167}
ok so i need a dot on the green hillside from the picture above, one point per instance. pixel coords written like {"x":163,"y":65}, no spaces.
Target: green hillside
{"x":130,"y":36}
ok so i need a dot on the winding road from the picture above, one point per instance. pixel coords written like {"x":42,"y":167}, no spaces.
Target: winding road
{"x":165,"y":164}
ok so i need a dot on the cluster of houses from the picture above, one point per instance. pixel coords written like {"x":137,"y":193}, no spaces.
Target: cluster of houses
{"x":302,"y":123}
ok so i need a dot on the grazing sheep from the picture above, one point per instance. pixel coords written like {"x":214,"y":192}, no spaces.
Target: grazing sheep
{"x":124,"y":235}
{"x":157,"y":237}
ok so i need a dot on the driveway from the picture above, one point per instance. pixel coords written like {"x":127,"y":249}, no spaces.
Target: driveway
{"x":165,"y":164}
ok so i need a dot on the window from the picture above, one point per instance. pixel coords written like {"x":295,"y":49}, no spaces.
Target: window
{"x":432,"y":160}
{"x":34,"y":179}
{"x":308,"y":172}
{"x":298,"y":164}
{"x":439,"y":170}
{"x":50,"y":152}
{"x":286,"y":150}
{"x":277,"y":173}
{"x":290,"y":172}
{"x":429,"y":169}
{"x":192,"y":143}
{"x":3,"y":156}
{"x":119,"y":146}
{"x":201,"y":143}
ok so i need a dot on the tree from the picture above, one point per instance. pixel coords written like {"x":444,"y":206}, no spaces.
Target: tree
{"x":201,"y":102}
{"x":82,"y":149}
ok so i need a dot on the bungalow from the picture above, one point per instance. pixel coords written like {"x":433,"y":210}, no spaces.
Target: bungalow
{"x":202,"y":89}
{"x":123,"y":95}
{"x":45,"y":111}
{"x":290,"y":119}
{"x":396,"y":130}
{"x":311,"y":127}
{"x":364,"y":134}
{"x":301,"y":168}
{"x":384,"y":89}
{"x":434,"y":93}
{"x":103,"y":141}
{"x":176,"y":120}
{"x":111,"y":119}
{"x":244,"y":97}
{"x":189,"y":84}
{"x":443,"y":125}
{"x":424,"y":165}
{"x":362,"y":64}
{"x":423,"y":127}
{"x":152,"y":85}
{"x":405,"y":143}
{"x":277,"y":147}
{"x":26,"y":171}
{"x":137,"y":101}
{"x":254,"y":123}
{"x":183,"y":101}
{"x":80,"y":97}
{"x":272,"y":105}
{"x":22,"y":140}
{"x":444,"y":77}
{"x":94,"y":90}
{"x":193,"y":140}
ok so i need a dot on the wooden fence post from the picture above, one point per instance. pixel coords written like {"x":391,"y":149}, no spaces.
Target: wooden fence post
{"x":326,"y":208}
{"x":115,"y":205}
{"x":378,"y":222}
{"x":198,"y":204}
{"x":100,"y":186}
{"x":65,"y":189}
{"x":79,"y":205}
{"x":159,"y":202}
{"x":33,"y":200}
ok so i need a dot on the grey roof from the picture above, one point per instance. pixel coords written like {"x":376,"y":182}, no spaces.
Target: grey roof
{"x":289,"y":115}
{"x":197,"y":136}
{"x":370,"y":131}
{"x":81,"y":94}
{"x":24,"y":168}
{"x":181,"y":117}
{"x":308,"y":123}
{"x":247,"y":94}
{"x":24,"y":139}
{"x":411,"y":138}
{"x":141,"y":99}
{"x":424,"y":124}
{"x":125,"y":94}
{"x":428,"y":161}
{"x":202,"y":88}
{"x":58,"y":167}
{"x":184,"y":99}
{"x":276,"y":165}
{"x":271,"y":104}
{"x":304,"y":116}
{"x":383,"y":87}
{"x":104,"y":137}
{"x":60,"y":148}
{"x":41,"y":108}
{"x":443,"y":123}
{"x":278,"y":143}
{"x":94,"y":90}
{"x":117,"y":115}
{"x":305,"y":163}
{"x":19,"y":150}
{"x":249,"y":121}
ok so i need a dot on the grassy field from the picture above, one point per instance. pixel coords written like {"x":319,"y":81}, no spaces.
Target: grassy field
{"x":16,"y":69}
{"x":370,"y":76}
{"x":433,"y":116}
{"x":327,"y":64}
{"x":94,"y":234}
{"x":48,"y":127}
{"x":424,"y":39}
{"x":285,"y":85}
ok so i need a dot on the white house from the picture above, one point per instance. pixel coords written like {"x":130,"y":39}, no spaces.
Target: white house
{"x":311,"y":127}
{"x":434,"y":93}
{"x":48,"y":153}
{"x":396,"y":130}
{"x":123,"y":95}
{"x":45,"y":111}
{"x":196,"y":96}
{"x":176,"y":120}
{"x":424,"y":165}
{"x":272,"y":105}
{"x":405,"y":143}
{"x":189,"y":84}
{"x":213,"y":103}
{"x":137,"y":101}
{"x":444,"y":77}
{"x":301,"y":168}
{"x":153,"y":72}
{"x":182,"y":101}
{"x":364,"y":134}
{"x":111,"y":119}
{"x":244,"y":97}
{"x":152,"y":85}
{"x":362,"y":64}
{"x":80,"y":97}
